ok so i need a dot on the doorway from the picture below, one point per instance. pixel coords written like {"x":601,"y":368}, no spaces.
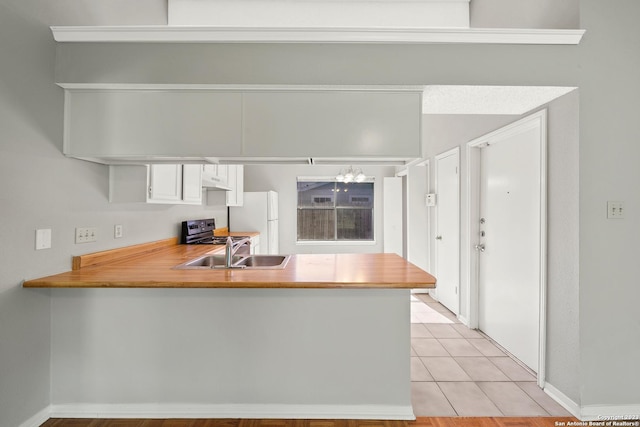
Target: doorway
{"x":447,"y":230}
{"x":507,"y":229}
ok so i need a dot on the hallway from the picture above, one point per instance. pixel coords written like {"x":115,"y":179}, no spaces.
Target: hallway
{"x":456,"y":371}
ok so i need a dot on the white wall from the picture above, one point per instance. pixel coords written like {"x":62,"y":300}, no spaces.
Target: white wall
{"x":283,"y":179}
{"x":40,"y":188}
{"x":609,"y":153}
{"x":524,"y":13}
{"x":417,"y":217}
{"x":605,"y":67}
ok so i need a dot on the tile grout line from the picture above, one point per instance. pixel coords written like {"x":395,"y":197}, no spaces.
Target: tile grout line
{"x":446,"y":397}
{"x":532,"y":398}
{"x":476,"y":383}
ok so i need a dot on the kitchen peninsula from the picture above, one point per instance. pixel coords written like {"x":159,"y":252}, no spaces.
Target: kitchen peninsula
{"x":328,"y":336}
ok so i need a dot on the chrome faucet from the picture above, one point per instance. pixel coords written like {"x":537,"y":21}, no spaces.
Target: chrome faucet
{"x":230,"y":250}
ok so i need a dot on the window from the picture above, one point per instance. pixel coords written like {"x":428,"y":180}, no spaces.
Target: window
{"x":335,"y":211}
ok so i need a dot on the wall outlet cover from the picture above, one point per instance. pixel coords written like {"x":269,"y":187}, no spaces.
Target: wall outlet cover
{"x":86,"y":234}
{"x":615,"y":210}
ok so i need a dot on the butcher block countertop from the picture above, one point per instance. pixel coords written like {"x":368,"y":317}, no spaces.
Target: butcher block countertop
{"x":151,"y":265}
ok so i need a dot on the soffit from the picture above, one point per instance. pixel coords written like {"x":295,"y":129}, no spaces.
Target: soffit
{"x":516,"y":100}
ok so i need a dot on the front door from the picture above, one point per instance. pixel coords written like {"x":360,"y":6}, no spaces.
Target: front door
{"x":447,"y":235}
{"x":509,"y":245}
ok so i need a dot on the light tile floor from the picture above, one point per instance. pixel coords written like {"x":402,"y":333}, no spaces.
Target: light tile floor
{"x":456,"y":371}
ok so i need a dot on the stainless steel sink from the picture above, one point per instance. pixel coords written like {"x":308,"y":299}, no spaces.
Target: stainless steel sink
{"x":265,"y":262}
{"x":207,"y":261}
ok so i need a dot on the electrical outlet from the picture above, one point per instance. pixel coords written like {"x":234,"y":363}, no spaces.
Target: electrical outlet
{"x":43,"y":238}
{"x":117,"y":231}
{"x":615,"y":210}
{"x":86,"y":234}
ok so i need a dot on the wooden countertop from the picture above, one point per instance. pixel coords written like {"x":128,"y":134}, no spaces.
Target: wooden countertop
{"x":152,"y":268}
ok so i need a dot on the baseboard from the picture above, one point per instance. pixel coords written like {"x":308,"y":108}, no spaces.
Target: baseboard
{"x":610,"y":412}
{"x":380,"y":412}
{"x":563,"y":400}
{"x":38,"y":419}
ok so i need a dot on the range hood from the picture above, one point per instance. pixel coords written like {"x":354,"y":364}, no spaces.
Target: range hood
{"x":211,"y":182}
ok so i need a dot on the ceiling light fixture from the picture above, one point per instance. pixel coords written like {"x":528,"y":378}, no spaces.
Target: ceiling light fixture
{"x":351,"y":175}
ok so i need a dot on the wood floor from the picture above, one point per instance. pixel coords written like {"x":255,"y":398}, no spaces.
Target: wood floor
{"x":419,"y":422}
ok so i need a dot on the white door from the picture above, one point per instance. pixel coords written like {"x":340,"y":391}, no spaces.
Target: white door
{"x":510,"y":242}
{"x":392,"y":215}
{"x":447,"y":246}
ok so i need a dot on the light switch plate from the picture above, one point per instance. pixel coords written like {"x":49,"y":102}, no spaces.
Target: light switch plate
{"x":615,"y":210}
{"x":43,"y":238}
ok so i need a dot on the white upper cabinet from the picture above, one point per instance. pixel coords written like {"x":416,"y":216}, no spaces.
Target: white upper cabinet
{"x":330,"y":124}
{"x":191,"y":184}
{"x":165,"y":184}
{"x":145,"y":126}
{"x":215,"y":177}
{"x":235,"y":180}
{"x":233,"y":176}
{"x":109,"y":126}
{"x":159,"y":183}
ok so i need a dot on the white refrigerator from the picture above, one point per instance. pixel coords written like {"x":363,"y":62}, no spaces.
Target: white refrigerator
{"x":258,"y":213}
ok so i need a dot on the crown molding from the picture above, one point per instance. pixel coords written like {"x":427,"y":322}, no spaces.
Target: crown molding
{"x":237,"y":87}
{"x":196,"y":34}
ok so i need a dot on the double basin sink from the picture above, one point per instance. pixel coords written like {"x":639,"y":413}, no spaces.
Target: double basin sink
{"x":263,"y":262}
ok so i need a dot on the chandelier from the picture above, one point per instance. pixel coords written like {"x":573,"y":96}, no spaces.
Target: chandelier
{"x":351,"y":175}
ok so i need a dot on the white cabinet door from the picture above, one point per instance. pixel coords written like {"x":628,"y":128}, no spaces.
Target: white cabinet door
{"x":192,"y":184}
{"x":170,"y":184}
{"x":222,"y":172}
{"x":235,"y":180}
{"x":332,"y":124}
{"x":158,"y":124}
{"x":165,"y":184}
{"x":209,"y":169}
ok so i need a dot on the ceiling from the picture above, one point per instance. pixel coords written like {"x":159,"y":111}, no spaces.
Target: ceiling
{"x":516,"y":100}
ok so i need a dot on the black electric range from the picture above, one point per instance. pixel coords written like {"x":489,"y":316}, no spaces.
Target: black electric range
{"x":200,"y":232}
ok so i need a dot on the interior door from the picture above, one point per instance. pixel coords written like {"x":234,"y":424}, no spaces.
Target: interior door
{"x":509,"y":248}
{"x":447,"y":246}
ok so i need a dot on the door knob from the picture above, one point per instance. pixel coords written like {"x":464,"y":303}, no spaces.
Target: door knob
{"x":479,"y":248}
{"x":438,"y":237}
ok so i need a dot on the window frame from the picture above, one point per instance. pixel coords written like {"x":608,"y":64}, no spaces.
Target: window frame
{"x":329,"y":179}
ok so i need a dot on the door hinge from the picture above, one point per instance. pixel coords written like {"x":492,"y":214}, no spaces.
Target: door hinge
{"x":456,"y":290}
